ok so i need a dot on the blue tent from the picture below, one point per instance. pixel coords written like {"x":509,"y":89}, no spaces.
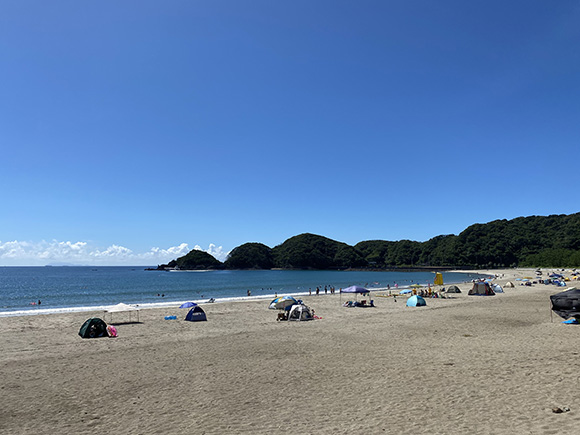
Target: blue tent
{"x":416,"y":301}
{"x":196,"y":314}
{"x":188,"y":305}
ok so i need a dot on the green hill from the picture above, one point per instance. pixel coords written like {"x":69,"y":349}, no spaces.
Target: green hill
{"x":194,"y":260}
{"x":250,"y":256}
{"x":534,"y":241}
{"x":310,"y":251}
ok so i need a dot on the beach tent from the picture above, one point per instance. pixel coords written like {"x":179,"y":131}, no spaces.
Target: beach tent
{"x":416,"y":301}
{"x":196,"y":314}
{"x":93,"y":328}
{"x":121,"y":308}
{"x":481,"y":289}
{"x":300,"y":312}
{"x":566,"y":304}
{"x":497,"y":288}
{"x":438,"y":279}
{"x":509,"y":284}
{"x":453,"y":289}
{"x":187,"y":305}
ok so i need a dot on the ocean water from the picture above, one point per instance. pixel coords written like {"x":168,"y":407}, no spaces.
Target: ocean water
{"x":84,"y":288}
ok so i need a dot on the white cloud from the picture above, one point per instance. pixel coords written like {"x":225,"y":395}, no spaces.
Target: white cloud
{"x":217,"y":251}
{"x":13,"y":249}
{"x":113,"y":251}
{"x":17,"y":253}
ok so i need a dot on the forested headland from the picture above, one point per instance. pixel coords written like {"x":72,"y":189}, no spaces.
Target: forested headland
{"x":534,"y":241}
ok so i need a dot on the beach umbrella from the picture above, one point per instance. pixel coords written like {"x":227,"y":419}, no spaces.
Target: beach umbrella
{"x":404,"y":292}
{"x":416,"y":285}
{"x":282,"y":303}
{"x":188,"y":305}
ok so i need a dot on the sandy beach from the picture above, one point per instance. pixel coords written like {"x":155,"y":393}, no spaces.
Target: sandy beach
{"x":461,"y":365}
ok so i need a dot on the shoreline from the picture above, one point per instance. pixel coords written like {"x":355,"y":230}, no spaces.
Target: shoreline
{"x":37,"y":311}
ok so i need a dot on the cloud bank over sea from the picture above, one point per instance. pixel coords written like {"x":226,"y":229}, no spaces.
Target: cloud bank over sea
{"x":23,"y":253}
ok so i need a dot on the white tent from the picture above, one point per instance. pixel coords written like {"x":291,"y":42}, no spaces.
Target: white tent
{"x":300,"y":312}
{"x":497,"y":288}
{"x":122,"y":308}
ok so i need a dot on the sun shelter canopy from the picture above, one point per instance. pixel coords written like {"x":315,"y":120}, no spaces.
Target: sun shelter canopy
{"x":355,"y":289}
{"x":121,"y":308}
{"x":453,"y":289}
{"x":566,"y":304}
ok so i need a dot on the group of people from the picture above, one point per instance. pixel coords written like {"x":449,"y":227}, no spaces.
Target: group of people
{"x":428,"y":293}
{"x":327,"y":288}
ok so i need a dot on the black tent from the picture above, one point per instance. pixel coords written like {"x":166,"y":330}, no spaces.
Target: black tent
{"x":566,"y":304}
{"x":196,"y":314}
{"x":93,"y":328}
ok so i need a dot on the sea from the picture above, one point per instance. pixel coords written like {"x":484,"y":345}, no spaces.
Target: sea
{"x":57,"y":289}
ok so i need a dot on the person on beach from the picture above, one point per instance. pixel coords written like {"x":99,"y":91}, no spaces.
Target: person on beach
{"x":317,"y":291}
{"x":310,"y":291}
{"x":249,"y":293}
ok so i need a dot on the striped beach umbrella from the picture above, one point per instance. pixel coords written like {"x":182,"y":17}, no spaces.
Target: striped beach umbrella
{"x":282,"y":303}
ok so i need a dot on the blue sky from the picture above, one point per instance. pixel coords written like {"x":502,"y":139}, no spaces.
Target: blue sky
{"x":133,"y":131}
